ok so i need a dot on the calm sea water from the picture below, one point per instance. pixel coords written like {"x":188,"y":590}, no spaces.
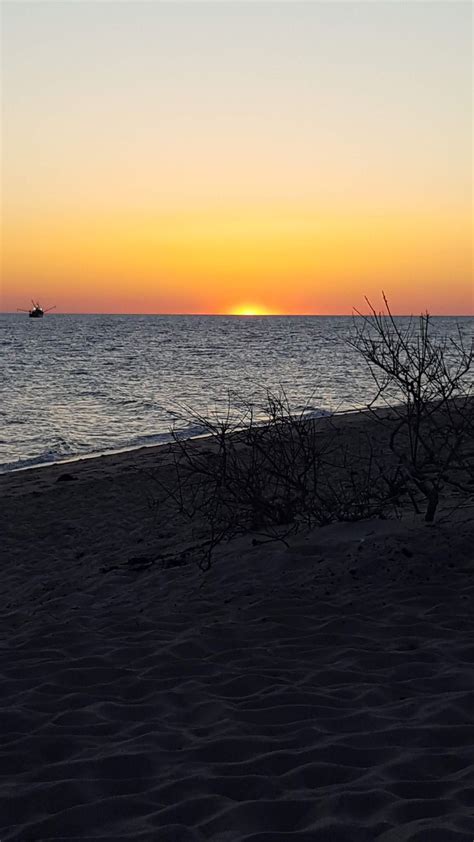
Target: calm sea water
{"x":83,"y":384}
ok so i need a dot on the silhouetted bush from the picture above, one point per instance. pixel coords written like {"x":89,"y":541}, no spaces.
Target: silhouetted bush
{"x":269,"y":471}
{"x":426,"y":381}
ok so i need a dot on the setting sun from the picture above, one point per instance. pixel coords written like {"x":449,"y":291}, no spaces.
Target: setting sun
{"x":249,"y":310}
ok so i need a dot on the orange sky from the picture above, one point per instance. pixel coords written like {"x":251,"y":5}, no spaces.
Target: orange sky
{"x":237,"y":159}
{"x":269,"y":262}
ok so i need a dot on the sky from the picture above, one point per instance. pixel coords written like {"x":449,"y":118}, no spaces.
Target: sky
{"x":231,"y":157}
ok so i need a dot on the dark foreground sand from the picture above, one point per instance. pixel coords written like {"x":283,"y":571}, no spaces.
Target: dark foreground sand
{"x":318,"y":693}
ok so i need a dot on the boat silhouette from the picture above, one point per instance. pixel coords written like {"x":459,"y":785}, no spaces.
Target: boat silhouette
{"x":36,"y":312}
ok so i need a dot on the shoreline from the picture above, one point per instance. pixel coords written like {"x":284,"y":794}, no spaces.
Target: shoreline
{"x":93,"y":455}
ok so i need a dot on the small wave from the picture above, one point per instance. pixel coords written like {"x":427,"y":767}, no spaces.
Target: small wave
{"x":316,"y":413}
{"x":91,"y":393}
{"x":65,"y":453}
{"x":148,"y":440}
{"x":191,"y":431}
{"x":31,"y":462}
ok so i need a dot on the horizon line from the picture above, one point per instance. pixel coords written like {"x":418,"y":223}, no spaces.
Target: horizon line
{"x":247,"y":315}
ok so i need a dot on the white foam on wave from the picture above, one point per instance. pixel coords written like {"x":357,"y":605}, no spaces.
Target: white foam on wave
{"x":49,"y":457}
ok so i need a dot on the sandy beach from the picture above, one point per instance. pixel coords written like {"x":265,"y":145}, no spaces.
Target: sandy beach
{"x":319,"y":691}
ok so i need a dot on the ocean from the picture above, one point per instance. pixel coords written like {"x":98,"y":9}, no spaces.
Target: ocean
{"x":77,"y":385}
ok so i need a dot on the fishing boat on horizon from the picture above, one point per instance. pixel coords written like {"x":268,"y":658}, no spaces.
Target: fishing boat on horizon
{"x":36,"y":312}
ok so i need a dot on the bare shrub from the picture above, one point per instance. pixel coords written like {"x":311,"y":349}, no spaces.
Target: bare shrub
{"x":269,"y":471}
{"x":427,"y":383}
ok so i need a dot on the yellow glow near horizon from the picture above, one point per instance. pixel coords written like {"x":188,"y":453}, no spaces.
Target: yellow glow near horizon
{"x":264,"y":261}
{"x":249,"y":310}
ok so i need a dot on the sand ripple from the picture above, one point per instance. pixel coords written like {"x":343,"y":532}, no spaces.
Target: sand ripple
{"x":288,"y":698}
